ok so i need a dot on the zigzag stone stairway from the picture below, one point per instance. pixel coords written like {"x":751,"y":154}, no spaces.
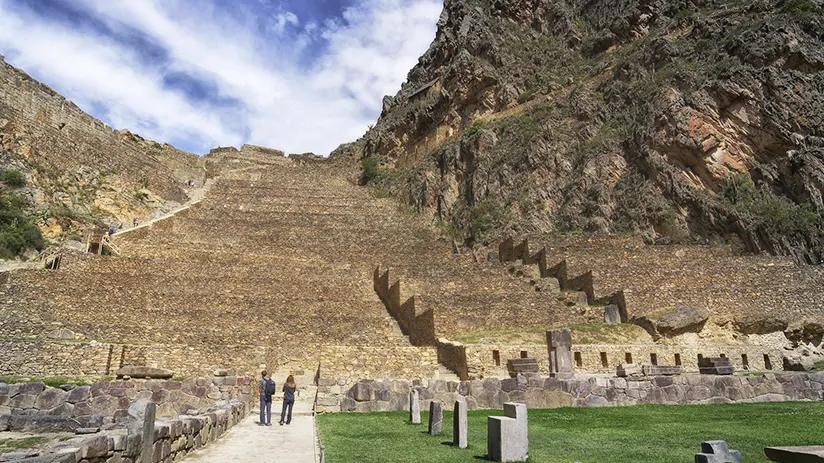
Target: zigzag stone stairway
{"x":274,"y":267}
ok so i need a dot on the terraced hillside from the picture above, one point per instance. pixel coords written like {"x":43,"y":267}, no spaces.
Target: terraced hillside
{"x":279,"y":255}
{"x":657,"y":279}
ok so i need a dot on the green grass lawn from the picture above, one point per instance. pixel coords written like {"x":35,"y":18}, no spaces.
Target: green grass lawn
{"x":644,"y":433}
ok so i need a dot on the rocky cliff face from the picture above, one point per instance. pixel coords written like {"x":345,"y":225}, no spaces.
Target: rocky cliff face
{"x":74,"y":172}
{"x":676,"y":119}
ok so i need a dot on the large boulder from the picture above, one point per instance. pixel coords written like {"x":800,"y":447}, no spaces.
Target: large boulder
{"x":682,"y":320}
{"x":794,"y":363}
{"x":136,"y":371}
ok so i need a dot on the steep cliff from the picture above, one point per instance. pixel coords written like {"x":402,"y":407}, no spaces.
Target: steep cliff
{"x":71,"y":173}
{"x":680,"y":120}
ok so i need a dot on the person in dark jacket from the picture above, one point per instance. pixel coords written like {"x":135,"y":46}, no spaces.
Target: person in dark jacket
{"x":266,"y":387}
{"x":288,"y":399}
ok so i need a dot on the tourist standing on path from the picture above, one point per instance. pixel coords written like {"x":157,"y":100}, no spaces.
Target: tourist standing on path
{"x":288,"y":398}
{"x":267,"y":390}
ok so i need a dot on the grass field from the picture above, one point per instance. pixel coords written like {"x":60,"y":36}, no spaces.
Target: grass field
{"x":644,"y":433}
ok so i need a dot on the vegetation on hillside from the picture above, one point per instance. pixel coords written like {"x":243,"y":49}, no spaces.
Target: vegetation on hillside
{"x":586,"y":132}
{"x":17,"y":231}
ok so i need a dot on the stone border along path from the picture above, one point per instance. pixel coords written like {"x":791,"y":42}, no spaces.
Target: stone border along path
{"x":249,"y":443}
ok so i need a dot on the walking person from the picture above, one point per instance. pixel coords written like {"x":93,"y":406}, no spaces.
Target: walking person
{"x":266,"y":388}
{"x":288,"y":399}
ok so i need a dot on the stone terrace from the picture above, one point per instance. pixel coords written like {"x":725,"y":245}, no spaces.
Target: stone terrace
{"x":281,"y":254}
{"x":662,"y":278}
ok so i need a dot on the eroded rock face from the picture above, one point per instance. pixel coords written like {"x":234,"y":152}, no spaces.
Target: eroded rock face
{"x":540,"y":116}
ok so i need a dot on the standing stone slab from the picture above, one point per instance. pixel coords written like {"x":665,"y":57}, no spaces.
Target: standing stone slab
{"x":508,"y":435}
{"x":414,"y":407}
{"x":459,"y":428}
{"x":435,"y":418}
{"x":559,"y":345}
{"x":717,"y":451}
{"x":141,"y":428}
{"x":612,"y":314}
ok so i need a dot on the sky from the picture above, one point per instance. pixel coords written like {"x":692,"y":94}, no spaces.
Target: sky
{"x":295,"y":75}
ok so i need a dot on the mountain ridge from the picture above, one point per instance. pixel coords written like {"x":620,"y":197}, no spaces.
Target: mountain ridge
{"x":680,"y":121}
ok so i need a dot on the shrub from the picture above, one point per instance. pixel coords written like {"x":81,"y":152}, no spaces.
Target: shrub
{"x":526,"y":96}
{"x":798,"y":6}
{"x":369,"y":170}
{"x":776,"y":214}
{"x":17,"y":232}
{"x":13,"y":178}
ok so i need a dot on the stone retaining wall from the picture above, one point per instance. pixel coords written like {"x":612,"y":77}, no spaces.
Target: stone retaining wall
{"x":33,"y":407}
{"x":171,"y":439}
{"x":604,"y":358}
{"x":55,"y":358}
{"x":542,"y":392}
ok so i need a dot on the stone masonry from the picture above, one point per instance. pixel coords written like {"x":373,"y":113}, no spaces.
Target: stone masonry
{"x":35,"y":407}
{"x":583,"y":391}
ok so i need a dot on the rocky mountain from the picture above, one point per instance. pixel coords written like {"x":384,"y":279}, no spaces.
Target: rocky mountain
{"x":64,"y":173}
{"x":680,"y":120}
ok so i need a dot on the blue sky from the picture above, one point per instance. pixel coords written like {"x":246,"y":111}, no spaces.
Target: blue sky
{"x":296,"y":75}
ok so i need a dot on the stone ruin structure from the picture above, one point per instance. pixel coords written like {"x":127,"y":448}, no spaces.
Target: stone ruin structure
{"x":288,"y":265}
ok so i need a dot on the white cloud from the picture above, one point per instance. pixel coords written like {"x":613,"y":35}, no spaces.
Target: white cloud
{"x":289,"y":100}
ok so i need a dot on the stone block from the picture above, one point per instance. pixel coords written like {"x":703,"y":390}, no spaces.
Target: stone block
{"x":459,"y":424}
{"x":95,"y":447}
{"x":612,"y":314}
{"x":23,"y":401}
{"x":509,"y":384}
{"x":362,"y":391}
{"x":27,"y":388}
{"x":807,"y":454}
{"x":78,"y":394}
{"x":629,"y":369}
{"x":414,"y":407}
{"x":717,"y":451}
{"x":492,"y":385}
{"x":559,"y":347}
{"x":435,"y":418}
{"x":50,"y":398}
{"x":716,"y":366}
{"x":662,"y":370}
{"x":348,"y":404}
{"x":136,"y":371}
{"x":507,"y":436}
{"x":42,"y":423}
{"x":141,"y":423}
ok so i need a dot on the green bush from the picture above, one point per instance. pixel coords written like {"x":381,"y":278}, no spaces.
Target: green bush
{"x":13,"y":178}
{"x":369,"y":170}
{"x":17,"y":232}
{"x":526,"y":96}
{"x":798,"y":6}
{"x":777,"y":215}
